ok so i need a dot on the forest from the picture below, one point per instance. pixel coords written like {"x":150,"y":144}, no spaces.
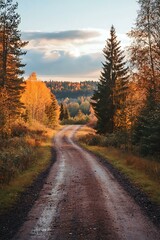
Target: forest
{"x":72,"y":90}
{"x":123,"y":105}
{"x":74,"y":99}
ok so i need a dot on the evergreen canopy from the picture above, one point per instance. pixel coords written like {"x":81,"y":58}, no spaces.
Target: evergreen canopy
{"x":108,"y":100}
{"x":10,"y":54}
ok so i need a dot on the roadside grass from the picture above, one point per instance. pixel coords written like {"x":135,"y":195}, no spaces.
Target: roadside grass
{"x":142,"y":172}
{"x":38,"y":140}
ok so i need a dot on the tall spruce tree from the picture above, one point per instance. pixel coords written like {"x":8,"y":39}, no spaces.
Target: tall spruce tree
{"x":108,"y":100}
{"x":10,"y":55}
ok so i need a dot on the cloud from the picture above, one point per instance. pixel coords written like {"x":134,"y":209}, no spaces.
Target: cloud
{"x":75,"y":53}
{"x":61,"y":40}
{"x":63,"y":63}
{"x":63,"y":35}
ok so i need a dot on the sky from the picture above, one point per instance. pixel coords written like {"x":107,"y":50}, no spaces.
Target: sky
{"x":66,"y":37}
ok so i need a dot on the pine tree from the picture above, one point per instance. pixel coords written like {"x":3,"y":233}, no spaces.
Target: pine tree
{"x":108,"y":100}
{"x":64,"y":112}
{"x":52,"y":112}
{"x":10,"y":55}
{"x":61,"y":116}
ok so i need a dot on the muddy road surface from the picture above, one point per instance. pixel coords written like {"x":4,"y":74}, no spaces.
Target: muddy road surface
{"x":81,"y":200}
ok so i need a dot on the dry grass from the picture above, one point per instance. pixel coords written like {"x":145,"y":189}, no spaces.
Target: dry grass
{"x":37,"y":140}
{"x":145,"y":173}
{"x":84,"y":131}
{"x":149,"y":167}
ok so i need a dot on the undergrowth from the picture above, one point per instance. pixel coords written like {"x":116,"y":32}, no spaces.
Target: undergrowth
{"x":22,"y":157}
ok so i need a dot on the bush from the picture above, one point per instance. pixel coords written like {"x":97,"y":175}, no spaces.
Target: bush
{"x":19,"y":151}
{"x":75,"y":120}
{"x":91,"y":139}
{"x":117,"y":140}
{"x":19,"y":129}
{"x":110,"y":140}
{"x":14,"y":158}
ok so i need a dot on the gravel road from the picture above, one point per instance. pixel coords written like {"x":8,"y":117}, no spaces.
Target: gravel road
{"x":81,"y":200}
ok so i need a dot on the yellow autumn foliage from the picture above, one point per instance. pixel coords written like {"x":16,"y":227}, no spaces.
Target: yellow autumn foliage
{"x":35,"y":98}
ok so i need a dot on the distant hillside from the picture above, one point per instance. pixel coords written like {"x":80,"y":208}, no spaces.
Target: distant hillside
{"x":63,"y":90}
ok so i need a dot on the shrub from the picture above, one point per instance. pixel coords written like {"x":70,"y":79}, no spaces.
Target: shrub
{"x":117,"y":140}
{"x":14,"y":158}
{"x":91,"y":139}
{"x":19,"y":129}
{"x":75,"y":120}
{"x":19,"y":151}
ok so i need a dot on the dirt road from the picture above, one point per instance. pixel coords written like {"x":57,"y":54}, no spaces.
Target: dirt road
{"x":81,"y":200}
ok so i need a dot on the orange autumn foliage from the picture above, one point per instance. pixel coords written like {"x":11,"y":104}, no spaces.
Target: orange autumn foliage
{"x":35,"y":98}
{"x":135,"y":101}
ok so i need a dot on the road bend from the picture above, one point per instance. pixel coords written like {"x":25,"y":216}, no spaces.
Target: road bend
{"x":81,"y":200}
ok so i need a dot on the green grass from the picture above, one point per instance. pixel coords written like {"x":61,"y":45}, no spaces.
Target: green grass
{"x":143,"y":173}
{"x":9,"y":192}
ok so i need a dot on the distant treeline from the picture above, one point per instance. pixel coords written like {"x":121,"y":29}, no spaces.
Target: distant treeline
{"x":63,"y":90}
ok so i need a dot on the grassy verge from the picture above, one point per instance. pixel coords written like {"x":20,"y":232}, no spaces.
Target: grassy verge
{"x":35,"y":161}
{"x":144,"y":173}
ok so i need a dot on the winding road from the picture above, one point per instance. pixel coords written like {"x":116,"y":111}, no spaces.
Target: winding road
{"x":81,"y":200}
